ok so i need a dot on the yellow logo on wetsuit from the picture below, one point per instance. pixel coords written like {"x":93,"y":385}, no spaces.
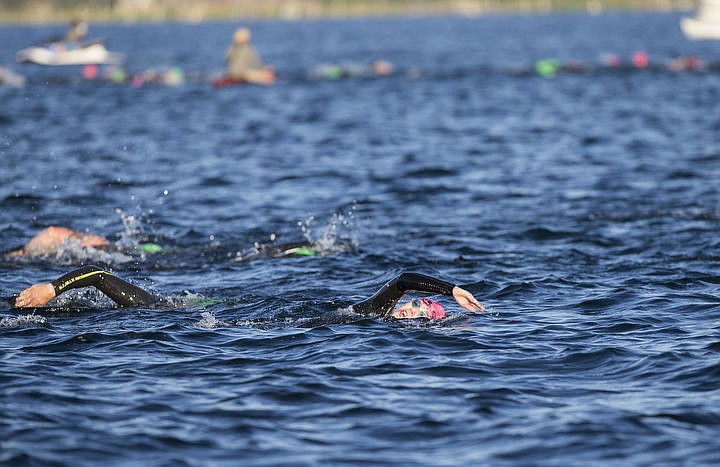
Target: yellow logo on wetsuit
{"x":75,"y":279}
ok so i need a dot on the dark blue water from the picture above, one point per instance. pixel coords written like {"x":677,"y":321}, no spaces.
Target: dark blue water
{"x":583,"y":211}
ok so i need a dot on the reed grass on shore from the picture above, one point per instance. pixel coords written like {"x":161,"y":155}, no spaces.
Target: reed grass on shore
{"x":49,"y":11}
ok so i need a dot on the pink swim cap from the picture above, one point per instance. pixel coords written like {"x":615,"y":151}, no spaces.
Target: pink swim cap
{"x":435,"y":309}
{"x":420,"y":308}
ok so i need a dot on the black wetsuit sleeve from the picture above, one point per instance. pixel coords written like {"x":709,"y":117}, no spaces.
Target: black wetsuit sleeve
{"x":121,"y":292}
{"x":385,"y":299}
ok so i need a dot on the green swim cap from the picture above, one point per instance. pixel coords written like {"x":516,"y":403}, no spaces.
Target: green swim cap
{"x":150,"y":247}
{"x":304,"y":252}
{"x":547,"y":67}
{"x":335,"y":72}
{"x":205,"y":302}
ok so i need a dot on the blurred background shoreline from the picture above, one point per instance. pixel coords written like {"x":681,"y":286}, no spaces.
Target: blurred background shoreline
{"x":51,"y":11}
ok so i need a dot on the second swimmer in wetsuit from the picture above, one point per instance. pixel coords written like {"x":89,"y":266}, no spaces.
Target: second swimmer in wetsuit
{"x":128,"y":295}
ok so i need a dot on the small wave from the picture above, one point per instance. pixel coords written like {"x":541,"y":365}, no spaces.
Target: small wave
{"x":22,"y":200}
{"x":544,"y":233}
{"x":700,"y":379}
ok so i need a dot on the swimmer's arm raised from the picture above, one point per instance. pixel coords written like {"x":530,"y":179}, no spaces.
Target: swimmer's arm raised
{"x":423,"y":283}
{"x":385,"y":299}
{"x":121,"y":292}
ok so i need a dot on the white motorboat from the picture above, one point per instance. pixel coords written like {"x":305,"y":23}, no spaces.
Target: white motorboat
{"x":706,"y":24}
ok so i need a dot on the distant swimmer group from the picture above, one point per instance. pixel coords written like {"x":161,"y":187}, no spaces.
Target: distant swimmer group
{"x":243,"y":64}
{"x":380,"y":305}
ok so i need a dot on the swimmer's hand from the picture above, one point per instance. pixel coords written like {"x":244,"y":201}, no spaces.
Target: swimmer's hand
{"x":36,"y":295}
{"x":466,"y":300}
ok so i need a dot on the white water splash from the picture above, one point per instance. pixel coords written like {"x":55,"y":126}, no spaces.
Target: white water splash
{"x":23,"y":321}
{"x":336,"y":236}
{"x":72,"y":252}
{"x":132,"y":229}
{"x":209,"y":321}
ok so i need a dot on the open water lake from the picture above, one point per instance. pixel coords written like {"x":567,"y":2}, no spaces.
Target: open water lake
{"x":583,"y":210}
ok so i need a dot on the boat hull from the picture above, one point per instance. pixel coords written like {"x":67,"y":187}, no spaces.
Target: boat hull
{"x":58,"y":55}
{"x":700,"y":30}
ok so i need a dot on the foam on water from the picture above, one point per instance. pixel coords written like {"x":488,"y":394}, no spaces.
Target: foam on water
{"x":23,"y":321}
{"x":209,"y":321}
{"x":72,"y":253}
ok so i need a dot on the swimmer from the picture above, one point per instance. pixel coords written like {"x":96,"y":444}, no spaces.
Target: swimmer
{"x":378,"y":68}
{"x":380,"y":305}
{"x":283,"y":250}
{"x":50,"y":239}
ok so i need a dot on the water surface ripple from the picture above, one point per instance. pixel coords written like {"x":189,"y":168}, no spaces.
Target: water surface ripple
{"x":583,"y":210}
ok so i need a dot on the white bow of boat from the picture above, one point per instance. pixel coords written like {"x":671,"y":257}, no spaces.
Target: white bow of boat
{"x":705,"y":25}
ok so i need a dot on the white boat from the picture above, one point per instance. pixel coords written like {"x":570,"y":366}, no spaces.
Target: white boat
{"x":69,"y":53}
{"x":706,"y":24}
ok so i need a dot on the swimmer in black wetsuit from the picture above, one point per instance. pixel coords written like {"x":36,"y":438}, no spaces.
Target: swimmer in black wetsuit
{"x":381,"y":304}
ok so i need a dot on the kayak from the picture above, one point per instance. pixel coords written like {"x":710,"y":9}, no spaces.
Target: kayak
{"x":264,"y":76}
{"x":226,"y":81}
{"x":70,"y":53}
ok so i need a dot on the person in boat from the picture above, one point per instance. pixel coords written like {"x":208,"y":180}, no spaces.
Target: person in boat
{"x":50,"y":240}
{"x":381,"y":304}
{"x":77,"y":31}
{"x":244,"y":63}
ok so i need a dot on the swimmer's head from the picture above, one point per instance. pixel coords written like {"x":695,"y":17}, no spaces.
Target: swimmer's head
{"x":382,"y":67}
{"x":242,"y":36}
{"x":420,"y":308}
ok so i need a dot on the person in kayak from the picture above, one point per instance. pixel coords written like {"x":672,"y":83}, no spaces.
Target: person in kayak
{"x":244,"y":63}
{"x":77,"y":31}
{"x":380,"y":305}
